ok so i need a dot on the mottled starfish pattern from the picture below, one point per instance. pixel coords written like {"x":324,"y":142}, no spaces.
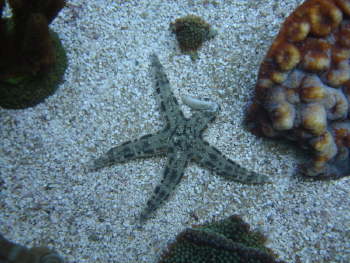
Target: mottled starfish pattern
{"x":181,"y":140}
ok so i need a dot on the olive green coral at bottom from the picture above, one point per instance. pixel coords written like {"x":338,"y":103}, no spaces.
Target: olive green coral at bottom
{"x":15,"y":253}
{"x":27,"y":91}
{"x":228,"y":240}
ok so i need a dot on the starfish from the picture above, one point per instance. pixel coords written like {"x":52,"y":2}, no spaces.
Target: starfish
{"x":181,"y":140}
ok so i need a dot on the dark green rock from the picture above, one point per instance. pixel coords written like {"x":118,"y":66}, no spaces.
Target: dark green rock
{"x":32,"y":59}
{"x":228,"y":240}
{"x":28,"y":90}
{"x":16,"y":253}
{"x":191,"y":31}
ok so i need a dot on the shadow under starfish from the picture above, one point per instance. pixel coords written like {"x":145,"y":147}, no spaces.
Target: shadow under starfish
{"x":181,"y":140}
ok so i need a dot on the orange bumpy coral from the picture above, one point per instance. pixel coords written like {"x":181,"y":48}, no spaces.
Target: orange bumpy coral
{"x":303,"y":88}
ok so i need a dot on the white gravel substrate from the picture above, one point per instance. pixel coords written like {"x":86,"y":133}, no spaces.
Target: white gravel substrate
{"x":49,"y":197}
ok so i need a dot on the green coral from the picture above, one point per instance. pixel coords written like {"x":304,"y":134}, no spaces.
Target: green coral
{"x":191,"y":31}
{"x":228,"y":240}
{"x":15,"y":253}
{"x":28,"y":90}
{"x":32,"y":58}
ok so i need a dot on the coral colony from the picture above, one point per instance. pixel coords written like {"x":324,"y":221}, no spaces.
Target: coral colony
{"x":191,"y":31}
{"x":181,"y":140}
{"x":228,"y":240}
{"x":303,"y":89}
{"x":32,"y":59}
{"x":14,"y":253}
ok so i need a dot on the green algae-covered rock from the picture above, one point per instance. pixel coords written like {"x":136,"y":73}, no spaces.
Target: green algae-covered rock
{"x":28,"y":90}
{"x":32,"y":59}
{"x":191,"y":31}
{"x":15,"y":253}
{"x":228,"y":240}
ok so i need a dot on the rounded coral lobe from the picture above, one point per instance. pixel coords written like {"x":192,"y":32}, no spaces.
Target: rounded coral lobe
{"x":287,"y":56}
{"x":315,"y":55}
{"x":302,"y":91}
{"x":324,"y":16}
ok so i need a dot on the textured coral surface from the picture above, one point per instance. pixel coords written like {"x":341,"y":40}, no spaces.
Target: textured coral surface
{"x":15,"y":253}
{"x":191,"y":31}
{"x":227,"y":240}
{"x":303,"y":89}
{"x":32,"y":58}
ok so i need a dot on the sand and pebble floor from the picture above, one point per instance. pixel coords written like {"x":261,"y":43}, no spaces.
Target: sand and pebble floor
{"x":48,"y":196}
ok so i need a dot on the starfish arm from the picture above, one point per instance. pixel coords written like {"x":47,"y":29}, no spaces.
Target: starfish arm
{"x":168,"y":103}
{"x":212,"y":158}
{"x":200,"y":120}
{"x":145,"y":146}
{"x":172,"y":175}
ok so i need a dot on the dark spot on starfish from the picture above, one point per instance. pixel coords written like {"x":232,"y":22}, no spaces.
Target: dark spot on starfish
{"x":146,"y":144}
{"x":162,"y":106}
{"x":162,"y":194}
{"x":167,"y":196}
{"x":190,"y":155}
{"x":149,"y":151}
{"x":126,"y":149}
{"x":249,"y":179}
{"x":228,"y":168}
{"x":231,"y":162}
{"x":146,"y":136}
{"x":178,"y":143}
{"x":125,"y":143}
{"x":225,"y":174}
{"x":218,"y":151}
{"x":166,"y":172}
{"x":211,"y":165}
{"x":178,"y":181}
{"x":157,"y":189}
{"x":171,"y":149}
{"x":213,"y":157}
{"x":129,"y":156}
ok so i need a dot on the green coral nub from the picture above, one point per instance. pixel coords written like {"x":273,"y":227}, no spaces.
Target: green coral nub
{"x":228,"y":240}
{"x":191,"y":31}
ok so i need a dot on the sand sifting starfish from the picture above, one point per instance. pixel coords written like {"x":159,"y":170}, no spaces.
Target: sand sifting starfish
{"x":181,"y":140}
